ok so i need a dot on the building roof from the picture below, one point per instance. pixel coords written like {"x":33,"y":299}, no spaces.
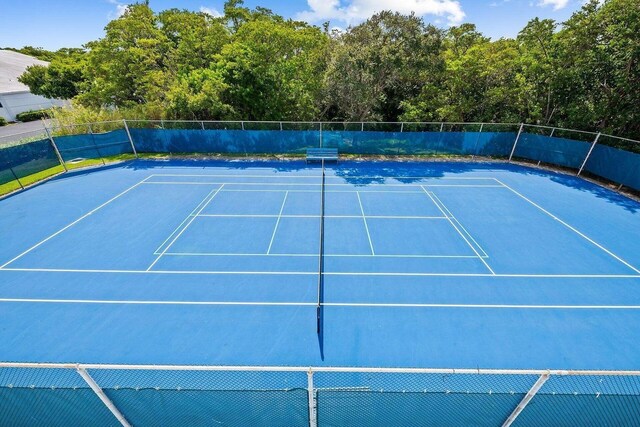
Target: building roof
{"x":12,"y":65}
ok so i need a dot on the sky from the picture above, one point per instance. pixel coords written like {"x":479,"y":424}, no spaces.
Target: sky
{"x":52,"y":24}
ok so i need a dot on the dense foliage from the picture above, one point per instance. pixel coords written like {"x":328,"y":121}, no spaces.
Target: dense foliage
{"x":255,"y":65}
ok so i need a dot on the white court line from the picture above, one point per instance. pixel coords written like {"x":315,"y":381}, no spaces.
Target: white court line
{"x":300,"y":184}
{"x":462,"y":185}
{"x":572,"y":228}
{"x":316,"y":255}
{"x":273,"y":236}
{"x":184,"y":228}
{"x":448,"y":212}
{"x":326,"y":304}
{"x":318,"y":216}
{"x":266,"y":190}
{"x":73,"y":223}
{"x":438,"y":178}
{"x":315,"y":273}
{"x":460,"y":233}
{"x":366,"y":227}
{"x":157,"y":251}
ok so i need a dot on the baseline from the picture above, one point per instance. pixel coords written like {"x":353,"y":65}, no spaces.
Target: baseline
{"x":328,"y":273}
{"x":313,"y":304}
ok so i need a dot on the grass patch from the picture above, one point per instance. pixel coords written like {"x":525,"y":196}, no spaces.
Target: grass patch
{"x":85,"y":163}
{"x":13,"y":185}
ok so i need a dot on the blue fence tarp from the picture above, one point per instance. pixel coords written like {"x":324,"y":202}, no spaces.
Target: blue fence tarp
{"x":93,"y":146}
{"x":556,"y":151}
{"x":26,"y":159}
{"x":615,"y":165}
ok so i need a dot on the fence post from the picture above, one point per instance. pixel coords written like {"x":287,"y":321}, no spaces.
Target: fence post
{"x":441,"y":127}
{"x":55,"y":147}
{"x":133,"y":147}
{"x":401,"y":126}
{"x":475,"y":148}
{"x":513,"y":150}
{"x":281,"y":126}
{"x":320,"y":134}
{"x":103,"y":397}
{"x":242,"y":124}
{"x":593,"y":145}
{"x":552,"y":132}
{"x":16,"y":177}
{"x":95,"y":145}
{"x":313,"y":420}
{"x":526,"y":399}
{"x":362,"y":127}
{"x":202,"y":125}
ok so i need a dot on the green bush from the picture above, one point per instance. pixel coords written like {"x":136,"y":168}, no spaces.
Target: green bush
{"x":30,"y":116}
{"x":3,"y":121}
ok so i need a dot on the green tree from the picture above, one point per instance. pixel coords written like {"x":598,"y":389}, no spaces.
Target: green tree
{"x":273,"y":70}
{"x":61,"y":79}
{"x":600,"y":83}
{"x":481,"y":81}
{"x":195,"y":39}
{"x":127,"y":66}
{"x":198,"y":96}
{"x":539,"y":58}
{"x":378,"y":64}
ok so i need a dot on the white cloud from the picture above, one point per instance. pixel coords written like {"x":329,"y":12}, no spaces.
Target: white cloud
{"x":557,"y":4}
{"x":354,"y":11}
{"x":210,"y":11}
{"x":121,"y":8}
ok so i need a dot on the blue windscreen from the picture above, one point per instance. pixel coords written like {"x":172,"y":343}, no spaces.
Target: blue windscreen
{"x":556,"y":151}
{"x":615,"y":165}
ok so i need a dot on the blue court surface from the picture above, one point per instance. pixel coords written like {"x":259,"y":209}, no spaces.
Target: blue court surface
{"x":426,"y":264}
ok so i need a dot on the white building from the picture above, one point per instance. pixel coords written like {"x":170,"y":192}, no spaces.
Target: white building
{"x":15,"y":97}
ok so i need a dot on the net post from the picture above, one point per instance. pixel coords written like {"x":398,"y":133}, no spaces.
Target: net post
{"x":513,"y":150}
{"x":95,"y":145}
{"x":102,"y":396}
{"x":526,"y":399}
{"x":133,"y":147}
{"x":313,"y":420}
{"x":593,"y":145}
{"x":55,"y":146}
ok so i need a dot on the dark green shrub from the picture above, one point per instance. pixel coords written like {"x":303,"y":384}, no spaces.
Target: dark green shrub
{"x":3,"y":121}
{"x":30,"y":116}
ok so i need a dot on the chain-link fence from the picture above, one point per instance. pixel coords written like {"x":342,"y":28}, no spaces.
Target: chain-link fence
{"x":30,"y":157}
{"x":76,"y":394}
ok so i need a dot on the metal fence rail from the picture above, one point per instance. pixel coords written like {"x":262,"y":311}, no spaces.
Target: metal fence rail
{"x":33,"y":156}
{"x":81,"y":394}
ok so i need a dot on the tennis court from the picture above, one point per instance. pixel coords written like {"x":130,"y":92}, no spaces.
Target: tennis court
{"x":371,"y":264}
